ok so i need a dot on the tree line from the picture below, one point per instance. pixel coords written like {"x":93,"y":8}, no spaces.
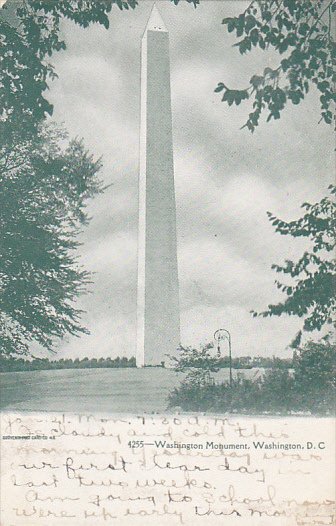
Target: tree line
{"x":8,"y":364}
{"x":12,"y":364}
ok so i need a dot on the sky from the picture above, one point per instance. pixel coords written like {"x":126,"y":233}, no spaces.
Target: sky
{"x":226,"y":178}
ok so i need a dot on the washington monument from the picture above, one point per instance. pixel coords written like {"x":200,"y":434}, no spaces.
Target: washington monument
{"x":158,"y":320}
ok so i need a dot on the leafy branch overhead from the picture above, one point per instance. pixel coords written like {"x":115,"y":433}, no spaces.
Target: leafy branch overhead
{"x":301,"y":31}
{"x":311,"y":295}
{"x":29,"y":35}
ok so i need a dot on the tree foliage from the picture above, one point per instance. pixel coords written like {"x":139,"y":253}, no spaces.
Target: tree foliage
{"x":311,"y":295}
{"x":11,"y":364}
{"x":44,"y":189}
{"x":27,"y":45}
{"x":300,"y":31}
{"x":194,"y":2}
{"x":310,"y":387}
{"x":197,"y":364}
{"x":315,"y":366}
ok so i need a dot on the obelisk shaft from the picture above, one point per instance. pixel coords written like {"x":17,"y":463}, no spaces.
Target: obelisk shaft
{"x":158,"y":323}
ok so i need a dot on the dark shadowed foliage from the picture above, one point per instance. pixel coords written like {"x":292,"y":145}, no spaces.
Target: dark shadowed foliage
{"x":309,"y":387}
{"x":29,"y":35}
{"x":197,"y":364}
{"x":302,"y":33}
{"x":45,"y":184}
{"x":311,"y":293}
{"x":10,"y":364}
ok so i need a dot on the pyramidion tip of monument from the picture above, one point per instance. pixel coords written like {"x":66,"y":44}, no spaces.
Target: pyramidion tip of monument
{"x":155,"y":22}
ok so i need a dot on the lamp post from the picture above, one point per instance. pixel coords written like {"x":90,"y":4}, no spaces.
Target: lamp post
{"x":223,"y":334}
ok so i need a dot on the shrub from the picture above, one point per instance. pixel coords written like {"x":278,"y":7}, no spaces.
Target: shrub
{"x":310,"y":387}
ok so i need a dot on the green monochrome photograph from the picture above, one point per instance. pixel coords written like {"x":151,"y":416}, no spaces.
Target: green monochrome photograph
{"x":167,"y":262}
{"x":167,"y":206}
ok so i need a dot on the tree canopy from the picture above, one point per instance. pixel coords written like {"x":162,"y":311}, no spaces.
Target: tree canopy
{"x":301,"y":32}
{"x":27,"y":45}
{"x":311,"y":294}
{"x":45,"y":183}
{"x":315,"y":366}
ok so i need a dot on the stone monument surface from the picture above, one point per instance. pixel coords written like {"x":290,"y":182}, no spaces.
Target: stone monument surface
{"x":158,"y":321}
